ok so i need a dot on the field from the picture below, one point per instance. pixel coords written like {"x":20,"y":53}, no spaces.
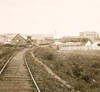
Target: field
{"x":44,"y":80}
{"x":80,"y":69}
{"x":5,"y":53}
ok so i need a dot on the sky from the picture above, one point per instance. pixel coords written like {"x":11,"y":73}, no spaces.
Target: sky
{"x":67,"y":17}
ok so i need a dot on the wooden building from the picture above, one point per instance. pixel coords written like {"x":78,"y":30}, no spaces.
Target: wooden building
{"x":18,"y":40}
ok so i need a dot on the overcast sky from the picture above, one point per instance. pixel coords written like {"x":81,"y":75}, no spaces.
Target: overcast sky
{"x":67,"y":17}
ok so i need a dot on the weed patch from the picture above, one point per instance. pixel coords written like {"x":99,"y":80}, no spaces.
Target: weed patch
{"x":80,"y":69}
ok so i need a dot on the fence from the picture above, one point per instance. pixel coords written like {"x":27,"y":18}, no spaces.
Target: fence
{"x":79,"y":48}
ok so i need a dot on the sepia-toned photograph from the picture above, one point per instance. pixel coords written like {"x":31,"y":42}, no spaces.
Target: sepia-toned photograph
{"x":49,"y":45}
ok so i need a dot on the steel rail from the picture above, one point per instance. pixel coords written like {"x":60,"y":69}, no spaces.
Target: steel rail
{"x":7,"y":63}
{"x":31,"y":74}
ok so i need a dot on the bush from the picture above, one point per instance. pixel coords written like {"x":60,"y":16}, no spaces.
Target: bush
{"x":7,"y":45}
{"x":45,"y":53}
{"x":81,"y":69}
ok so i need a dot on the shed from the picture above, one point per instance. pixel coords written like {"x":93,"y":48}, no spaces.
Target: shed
{"x":18,"y":40}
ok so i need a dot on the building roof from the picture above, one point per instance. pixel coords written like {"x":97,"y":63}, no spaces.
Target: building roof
{"x":10,"y":36}
{"x":89,"y":32}
{"x":18,"y":35}
{"x":41,"y":36}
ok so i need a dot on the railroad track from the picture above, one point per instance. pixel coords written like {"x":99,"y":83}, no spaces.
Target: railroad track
{"x":33,"y":79}
{"x":17,"y":77}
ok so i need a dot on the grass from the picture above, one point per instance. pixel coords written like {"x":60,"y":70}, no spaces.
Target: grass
{"x":6,"y":53}
{"x":44,"y":80}
{"x":80,"y":69}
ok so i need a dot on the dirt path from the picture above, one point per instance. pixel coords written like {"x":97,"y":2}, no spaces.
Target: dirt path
{"x":52,"y":73}
{"x":15,"y":77}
